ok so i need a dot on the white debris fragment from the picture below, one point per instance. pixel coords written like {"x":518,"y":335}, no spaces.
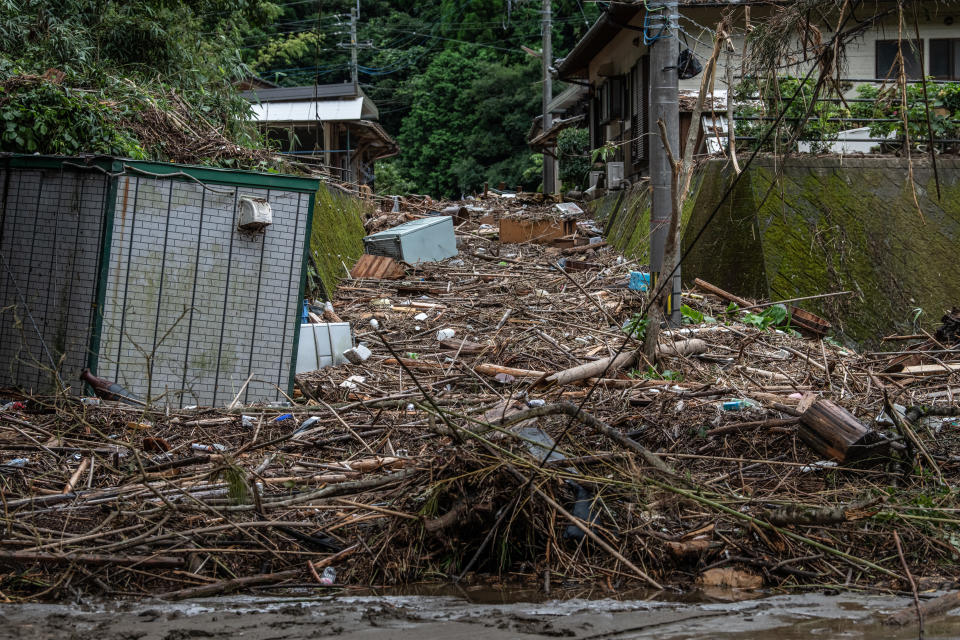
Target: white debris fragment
{"x":357,"y":354}
{"x":351,"y":382}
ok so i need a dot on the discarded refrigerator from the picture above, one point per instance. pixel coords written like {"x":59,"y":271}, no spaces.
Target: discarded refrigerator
{"x":425,"y":240}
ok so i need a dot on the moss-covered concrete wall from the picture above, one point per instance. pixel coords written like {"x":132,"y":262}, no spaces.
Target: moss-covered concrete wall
{"x":817,"y":225}
{"x":336,"y":239}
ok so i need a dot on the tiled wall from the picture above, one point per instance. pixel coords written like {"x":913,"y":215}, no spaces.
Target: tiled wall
{"x":202,"y":304}
{"x":50,"y":235}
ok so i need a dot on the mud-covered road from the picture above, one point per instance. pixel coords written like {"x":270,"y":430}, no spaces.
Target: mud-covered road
{"x":435,"y":617}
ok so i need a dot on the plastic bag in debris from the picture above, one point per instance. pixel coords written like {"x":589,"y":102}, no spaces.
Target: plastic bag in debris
{"x":351,"y":382}
{"x":687,"y":65}
{"x":208,"y":448}
{"x":306,"y":424}
{"x":445,"y":334}
{"x":884,"y":419}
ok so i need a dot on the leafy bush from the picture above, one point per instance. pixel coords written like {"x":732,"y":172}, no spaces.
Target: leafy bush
{"x":147,"y":78}
{"x":887,"y":103}
{"x":573,"y":146}
{"x":767,"y":99}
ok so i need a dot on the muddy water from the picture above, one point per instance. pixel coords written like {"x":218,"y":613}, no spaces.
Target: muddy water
{"x":476,"y":616}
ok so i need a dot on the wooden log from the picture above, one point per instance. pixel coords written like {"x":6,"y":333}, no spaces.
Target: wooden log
{"x":72,"y":482}
{"x":717,"y":291}
{"x":930,"y":608}
{"x":90,"y":558}
{"x":226,"y":586}
{"x":574,"y":250}
{"x":613,"y":364}
{"x":415,"y":364}
{"x":463,"y":346}
{"x":493,"y":369}
{"x":592,"y":369}
{"x":834,"y":432}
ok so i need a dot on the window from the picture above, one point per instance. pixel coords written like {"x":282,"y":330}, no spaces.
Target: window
{"x":945,"y":59}
{"x":638,"y":110}
{"x":887,"y":57}
{"x":611,"y":99}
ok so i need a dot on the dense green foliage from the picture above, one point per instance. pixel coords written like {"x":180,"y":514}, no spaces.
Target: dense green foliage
{"x":767,"y":99}
{"x":155,"y":79}
{"x":450,"y":80}
{"x":573,"y":146}
{"x":944,"y":112}
{"x":131,"y":78}
{"x":880,"y":109}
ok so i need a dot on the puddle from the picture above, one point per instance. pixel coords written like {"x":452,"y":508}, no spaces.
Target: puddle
{"x":445,"y":612}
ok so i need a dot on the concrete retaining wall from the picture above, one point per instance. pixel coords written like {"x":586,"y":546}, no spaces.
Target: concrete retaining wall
{"x":816,"y":225}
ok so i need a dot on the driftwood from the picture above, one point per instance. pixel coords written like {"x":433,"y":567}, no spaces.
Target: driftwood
{"x":494,"y":369}
{"x":227,"y":586}
{"x":717,"y":291}
{"x":90,"y":558}
{"x":822,"y":516}
{"x":930,"y":608}
{"x":612,"y":364}
{"x":832,"y":431}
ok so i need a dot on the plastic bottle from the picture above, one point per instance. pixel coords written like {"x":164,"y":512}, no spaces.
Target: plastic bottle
{"x":329,"y":576}
{"x":736,"y":405}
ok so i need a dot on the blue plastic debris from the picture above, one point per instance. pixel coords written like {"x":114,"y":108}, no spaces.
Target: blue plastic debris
{"x":285,"y":416}
{"x":639,"y":281}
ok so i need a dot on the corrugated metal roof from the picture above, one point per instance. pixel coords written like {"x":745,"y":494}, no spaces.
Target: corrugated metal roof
{"x":306,"y":92}
{"x":303,"y":111}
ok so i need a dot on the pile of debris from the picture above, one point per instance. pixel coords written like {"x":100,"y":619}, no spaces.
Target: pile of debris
{"x":497,"y":419}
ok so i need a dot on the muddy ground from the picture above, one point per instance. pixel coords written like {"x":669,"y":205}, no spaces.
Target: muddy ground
{"x":445,"y":617}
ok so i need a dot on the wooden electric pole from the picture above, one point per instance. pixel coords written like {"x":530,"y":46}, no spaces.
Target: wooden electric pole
{"x":549,"y":161}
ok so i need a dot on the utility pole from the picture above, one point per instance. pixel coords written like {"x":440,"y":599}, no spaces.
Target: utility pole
{"x":664,"y":51}
{"x":549,"y":162}
{"x":353,"y":45}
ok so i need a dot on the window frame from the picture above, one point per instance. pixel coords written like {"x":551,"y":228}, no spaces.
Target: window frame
{"x":912,"y":45}
{"x":953,"y":62}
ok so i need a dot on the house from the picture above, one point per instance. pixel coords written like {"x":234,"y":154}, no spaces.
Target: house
{"x":334,"y":125}
{"x":147,"y":274}
{"x":612,"y":62}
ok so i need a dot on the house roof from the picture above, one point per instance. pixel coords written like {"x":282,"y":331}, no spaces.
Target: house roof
{"x":310,"y":110}
{"x":306,"y":92}
{"x":548,"y":138}
{"x":611,"y":22}
{"x":595,"y":39}
{"x":330,"y":102}
{"x":567,"y":98}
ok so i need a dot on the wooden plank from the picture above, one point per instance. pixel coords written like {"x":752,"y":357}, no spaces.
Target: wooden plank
{"x":930,"y":369}
{"x":377,"y":268}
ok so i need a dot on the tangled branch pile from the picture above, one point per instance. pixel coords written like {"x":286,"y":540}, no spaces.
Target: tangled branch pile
{"x":484,"y":454}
